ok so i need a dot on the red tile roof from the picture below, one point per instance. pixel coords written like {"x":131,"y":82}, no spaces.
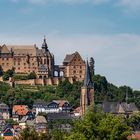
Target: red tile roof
{"x":8,"y":137}
{"x":60,"y":102}
{"x":20,"y":109}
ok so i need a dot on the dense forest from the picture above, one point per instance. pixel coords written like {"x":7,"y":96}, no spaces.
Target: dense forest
{"x":104,"y":91}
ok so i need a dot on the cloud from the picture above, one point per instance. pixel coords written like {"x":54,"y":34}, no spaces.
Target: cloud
{"x":116,"y":56}
{"x":129,"y":3}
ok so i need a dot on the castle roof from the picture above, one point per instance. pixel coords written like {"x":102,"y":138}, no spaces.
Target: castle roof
{"x":69,"y":57}
{"x":20,"y":50}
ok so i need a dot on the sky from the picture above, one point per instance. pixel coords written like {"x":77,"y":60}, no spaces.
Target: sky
{"x":107,"y":30}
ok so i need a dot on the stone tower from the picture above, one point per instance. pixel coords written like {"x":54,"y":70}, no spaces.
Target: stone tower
{"x":87,"y":91}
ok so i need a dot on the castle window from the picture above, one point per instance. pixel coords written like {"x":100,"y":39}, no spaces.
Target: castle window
{"x":2,"y":64}
{"x":74,"y":71}
{"x":47,"y":61}
{"x":80,"y":67}
{"x":2,"y":58}
{"x":44,"y":61}
{"x":80,"y":71}
{"x":7,"y":64}
{"x":7,"y":59}
{"x":18,"y":63}
{"x":18,"y":68}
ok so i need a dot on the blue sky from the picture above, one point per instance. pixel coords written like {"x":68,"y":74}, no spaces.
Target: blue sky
{"x":107,"y":30}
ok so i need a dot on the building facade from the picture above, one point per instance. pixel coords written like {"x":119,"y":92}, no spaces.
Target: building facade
{"x":25,"y":59}
{"x":74,"y":66}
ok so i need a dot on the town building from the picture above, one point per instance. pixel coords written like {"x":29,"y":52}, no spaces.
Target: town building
{"x":4,"y":111}
{"x":120,"y":108}
{"x":54,"y":106}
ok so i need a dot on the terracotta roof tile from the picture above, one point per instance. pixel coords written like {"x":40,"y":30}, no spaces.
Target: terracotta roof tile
{"x":20,"y":109}
{"x":8,"y":137}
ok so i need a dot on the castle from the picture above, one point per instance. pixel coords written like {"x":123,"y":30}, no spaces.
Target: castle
{"x":29,"y":58}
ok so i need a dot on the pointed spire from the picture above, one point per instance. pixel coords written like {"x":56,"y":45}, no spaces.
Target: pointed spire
{"x":44,"y":45}
{"x":88,"y":81}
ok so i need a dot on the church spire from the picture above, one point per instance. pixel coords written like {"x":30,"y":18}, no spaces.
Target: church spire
{"x":44,"y":45}
{"x":87,"y":81}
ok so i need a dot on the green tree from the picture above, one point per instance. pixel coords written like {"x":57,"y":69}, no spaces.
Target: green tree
{"x":32,"y":75}
{"x":134,"y":121}
{"x":7,"y":74}
{"x":99,"y":126}
{"x":28,"y":134}
{"x":1,"y":71}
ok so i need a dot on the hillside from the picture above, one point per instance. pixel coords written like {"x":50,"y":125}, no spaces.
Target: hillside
{"x":104,"y":91}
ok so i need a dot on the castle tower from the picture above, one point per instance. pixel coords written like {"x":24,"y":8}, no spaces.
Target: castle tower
{"x":87,"y":91}
{"x":48,"y":60}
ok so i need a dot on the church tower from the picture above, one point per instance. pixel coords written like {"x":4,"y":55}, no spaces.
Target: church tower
{"x":87,"y":91}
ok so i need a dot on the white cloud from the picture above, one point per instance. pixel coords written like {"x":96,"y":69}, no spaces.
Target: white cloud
{"x":116,"y":56}
{"x":130,"y":3}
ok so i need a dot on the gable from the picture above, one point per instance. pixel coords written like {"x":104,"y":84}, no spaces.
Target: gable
{"x":121,"y":110}
{"x":8,"y":132}
{"x":52,"y":105}
{"x":4,"y":49}
{"x":77,"y":60}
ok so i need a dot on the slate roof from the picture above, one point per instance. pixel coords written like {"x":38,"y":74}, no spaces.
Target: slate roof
{"x":69,"y":57}
{"x":39,"y":103}
{"x":113,"y":107}
{"x":4,"y":106}
{"x":87,"y":81}
{"x":59,"y":116}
